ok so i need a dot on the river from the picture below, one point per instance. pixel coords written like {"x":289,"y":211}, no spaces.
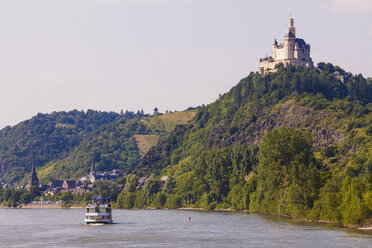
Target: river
{"x":169,"y":228}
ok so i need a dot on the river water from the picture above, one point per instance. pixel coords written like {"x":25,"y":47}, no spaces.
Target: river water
{"x":169,"y":228}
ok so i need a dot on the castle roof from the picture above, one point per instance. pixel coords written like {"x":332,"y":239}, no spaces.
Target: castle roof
{"x":301,"y":43}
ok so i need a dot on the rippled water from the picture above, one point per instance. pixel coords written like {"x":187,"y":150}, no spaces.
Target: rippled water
{"x":168,"y":228}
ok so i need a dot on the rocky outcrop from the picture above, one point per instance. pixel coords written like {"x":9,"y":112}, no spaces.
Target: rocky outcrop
{"x":288,"y":114}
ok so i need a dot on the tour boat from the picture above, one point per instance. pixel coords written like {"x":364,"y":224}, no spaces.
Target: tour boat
{"x":98,"y":211}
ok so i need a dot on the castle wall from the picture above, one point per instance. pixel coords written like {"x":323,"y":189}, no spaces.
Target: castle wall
{"x":303,"y":54}
{"x":280,"y":54}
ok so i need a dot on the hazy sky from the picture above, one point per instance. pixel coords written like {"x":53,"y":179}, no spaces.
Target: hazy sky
{"x":171,"y":54}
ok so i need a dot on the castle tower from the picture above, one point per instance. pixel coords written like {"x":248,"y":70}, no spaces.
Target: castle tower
{"x":291,"y":27}
{"x":32,"y":180}
{"x":289,"y":40}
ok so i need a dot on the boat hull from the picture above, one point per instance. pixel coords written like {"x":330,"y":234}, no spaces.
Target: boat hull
{"x":88,"y":221}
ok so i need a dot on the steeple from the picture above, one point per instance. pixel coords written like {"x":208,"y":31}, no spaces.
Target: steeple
{"x":32,"y":180}
{"x":33,"y":169}
{"x":92,"y":174}
{"x":92,"y":170}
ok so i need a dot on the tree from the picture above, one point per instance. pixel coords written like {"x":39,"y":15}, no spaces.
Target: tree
{"x":67,"y":197}
{"x":126,"y":200}
{"x":213,"y":172}
{"x":106,"y":189}
{"x":131,"y":184}
{"x":173,"y":201}
{"x":169,"y":185}
{"x":151,"y":186}
{"x":288,"y":174}
{"x":27,"y":197}
{"x":159,"y":200}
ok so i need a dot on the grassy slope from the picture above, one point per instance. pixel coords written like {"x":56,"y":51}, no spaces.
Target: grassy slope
{"x":160,"y":123}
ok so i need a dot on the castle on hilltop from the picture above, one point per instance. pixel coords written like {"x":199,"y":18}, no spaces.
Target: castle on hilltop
{"x":293,"y":51}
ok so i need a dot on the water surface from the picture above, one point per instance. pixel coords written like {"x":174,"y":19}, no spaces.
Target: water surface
{"x":169,"y":228}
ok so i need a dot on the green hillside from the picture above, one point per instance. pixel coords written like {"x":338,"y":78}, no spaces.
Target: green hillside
{"x":293,"y":97}
{"x":120,"y":144}
{"x":239,"y":153}
{"x":62,"y":144}
{"x":44,"y":138}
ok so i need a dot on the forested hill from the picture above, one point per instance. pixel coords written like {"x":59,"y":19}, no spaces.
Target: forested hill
{"x":296,"y":142}
{"x":118,"y":145}
{"x":315,"y":100}
{"x":45,"y":137}
{"x":62,"y":144}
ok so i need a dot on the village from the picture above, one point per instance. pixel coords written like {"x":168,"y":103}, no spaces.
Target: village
{"x":56,"y":189}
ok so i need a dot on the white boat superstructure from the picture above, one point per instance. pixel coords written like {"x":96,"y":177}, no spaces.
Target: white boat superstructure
{"x":98,"y":211}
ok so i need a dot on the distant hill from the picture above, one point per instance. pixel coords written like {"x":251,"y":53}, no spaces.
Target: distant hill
{"x":120,"y":144}
{"x":62,"y":144}
{"x":45,"y":137}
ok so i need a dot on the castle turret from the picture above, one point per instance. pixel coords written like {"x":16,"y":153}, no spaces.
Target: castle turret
{"x":275,"y":46}
{"x":291,"y":27}
{"x":32,"y":180}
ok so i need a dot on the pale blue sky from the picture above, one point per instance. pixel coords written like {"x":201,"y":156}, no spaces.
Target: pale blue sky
{"x":171,"y":54}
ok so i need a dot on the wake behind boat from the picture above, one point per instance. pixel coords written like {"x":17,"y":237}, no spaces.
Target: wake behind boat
{"x":98,"y":211}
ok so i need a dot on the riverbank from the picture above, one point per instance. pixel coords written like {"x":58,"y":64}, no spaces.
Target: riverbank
{"x":48,"y":206}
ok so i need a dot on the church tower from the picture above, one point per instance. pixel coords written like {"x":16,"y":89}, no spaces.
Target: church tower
{"x":92,"y":174}
{"x":32,"y":180}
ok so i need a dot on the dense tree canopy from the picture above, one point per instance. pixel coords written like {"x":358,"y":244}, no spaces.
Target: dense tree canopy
{"x":288,"y":175}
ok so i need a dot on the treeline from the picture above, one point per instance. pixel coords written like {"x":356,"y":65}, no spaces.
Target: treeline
{"x":282,"y":176}
{"x":13,"y":197}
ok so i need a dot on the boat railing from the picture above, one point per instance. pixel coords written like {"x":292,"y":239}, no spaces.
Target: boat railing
{"x":100,"y":205}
